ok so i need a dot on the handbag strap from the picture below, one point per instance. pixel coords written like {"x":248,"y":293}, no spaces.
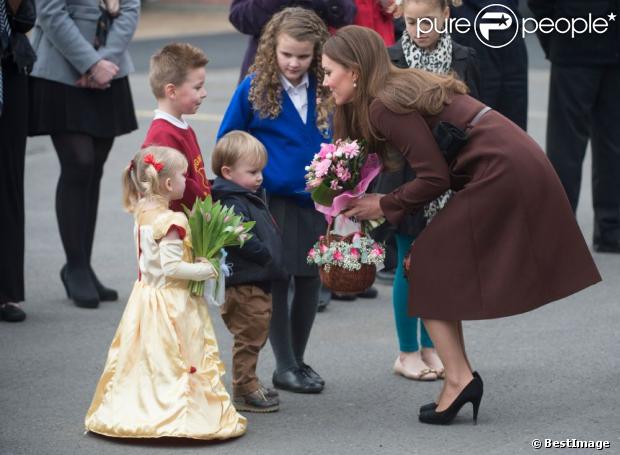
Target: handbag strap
{"x":477,"y":117}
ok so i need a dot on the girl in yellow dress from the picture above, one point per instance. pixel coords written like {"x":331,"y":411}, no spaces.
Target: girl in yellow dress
{"x":163,"y":373}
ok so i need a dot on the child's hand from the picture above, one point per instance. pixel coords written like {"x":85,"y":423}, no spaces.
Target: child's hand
{"x":201,"y":260}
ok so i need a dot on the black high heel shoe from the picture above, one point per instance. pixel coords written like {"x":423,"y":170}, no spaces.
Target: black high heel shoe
{"x":472,"y":393}
{"x":433,"y":405}
{"x":79,"y":287}
{"x":105,"y":294}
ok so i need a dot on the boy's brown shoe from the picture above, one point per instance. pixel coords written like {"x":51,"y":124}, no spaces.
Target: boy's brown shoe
{"x":256,"y":401}
{"x":269,"y":393}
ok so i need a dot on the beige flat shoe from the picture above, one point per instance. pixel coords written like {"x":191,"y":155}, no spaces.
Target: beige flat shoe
{"x":441,"y":372}
{"x":425,"y":374}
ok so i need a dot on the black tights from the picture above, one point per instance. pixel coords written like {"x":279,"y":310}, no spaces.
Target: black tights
{"x":77,"y":196}
{"x":290,"y":328}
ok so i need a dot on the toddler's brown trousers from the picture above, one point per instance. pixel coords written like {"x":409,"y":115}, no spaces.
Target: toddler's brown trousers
{"x":247,"y":313}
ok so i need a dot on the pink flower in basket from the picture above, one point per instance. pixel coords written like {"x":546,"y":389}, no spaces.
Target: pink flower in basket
{"x":377,"y":251}
{"x":312,"y":253}
{"x":323,"y":248}
{"x":355,"y":253}
{"x":338,"y":256}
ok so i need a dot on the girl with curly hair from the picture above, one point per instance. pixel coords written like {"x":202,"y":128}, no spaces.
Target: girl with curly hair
{"x":282,"y":104}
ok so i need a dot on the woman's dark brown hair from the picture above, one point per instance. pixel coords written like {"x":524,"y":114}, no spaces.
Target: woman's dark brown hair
{"x":361,"y":50}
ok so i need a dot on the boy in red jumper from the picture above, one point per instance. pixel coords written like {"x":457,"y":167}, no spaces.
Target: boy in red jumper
{"x":177,"y":77}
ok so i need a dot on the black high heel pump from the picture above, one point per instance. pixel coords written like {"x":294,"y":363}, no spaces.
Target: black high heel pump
{"x":105,"y":293}
{"x":79,"y":287}
{"x":472,"y":393}
{"x":433,"y":405}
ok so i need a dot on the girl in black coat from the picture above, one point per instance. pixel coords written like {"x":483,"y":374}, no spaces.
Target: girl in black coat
{"x":436,"y":52}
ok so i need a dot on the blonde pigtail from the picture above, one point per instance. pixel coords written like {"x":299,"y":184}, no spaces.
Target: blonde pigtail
{"x":131,"y":193}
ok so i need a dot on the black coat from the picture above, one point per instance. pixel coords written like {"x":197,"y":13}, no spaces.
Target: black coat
{"x":586,"y":49}
{"x":259,"y":261}
{"x":19,"y":48}
{"x":465,"y":65}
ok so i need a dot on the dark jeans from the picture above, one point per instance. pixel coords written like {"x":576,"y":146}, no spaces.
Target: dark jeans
{"x":13,"y":133}
{"x":584,"y":105}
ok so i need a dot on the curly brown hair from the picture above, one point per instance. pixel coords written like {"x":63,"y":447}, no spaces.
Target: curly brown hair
{"x":266,"y":89}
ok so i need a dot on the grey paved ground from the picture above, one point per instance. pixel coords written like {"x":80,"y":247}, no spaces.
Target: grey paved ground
{"x":551,"y":373}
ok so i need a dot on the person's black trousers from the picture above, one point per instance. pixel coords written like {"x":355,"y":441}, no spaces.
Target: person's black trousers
{"x":584,"y":104}
{"x":13,"y":132}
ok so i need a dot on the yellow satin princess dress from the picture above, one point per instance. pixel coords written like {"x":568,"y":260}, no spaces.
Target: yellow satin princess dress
{"x":162,"y":377}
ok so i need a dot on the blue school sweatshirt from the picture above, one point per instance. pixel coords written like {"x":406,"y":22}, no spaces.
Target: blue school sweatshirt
{"x":290,"y":143}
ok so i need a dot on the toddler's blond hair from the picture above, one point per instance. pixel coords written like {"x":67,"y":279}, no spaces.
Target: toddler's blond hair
{"x":236,"y":145}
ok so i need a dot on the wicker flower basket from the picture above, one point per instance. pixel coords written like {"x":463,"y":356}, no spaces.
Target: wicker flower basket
{"x":341,"y":280}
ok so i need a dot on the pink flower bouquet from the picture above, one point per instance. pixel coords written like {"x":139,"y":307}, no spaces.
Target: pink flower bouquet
{"x":335,"y":169}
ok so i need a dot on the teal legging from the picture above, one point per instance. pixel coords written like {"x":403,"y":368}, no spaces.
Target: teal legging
{"x":406,"y":326}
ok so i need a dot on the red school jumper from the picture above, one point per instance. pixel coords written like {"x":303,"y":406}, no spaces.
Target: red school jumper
{"x":370,"y":14}
{"x":161,"y":132}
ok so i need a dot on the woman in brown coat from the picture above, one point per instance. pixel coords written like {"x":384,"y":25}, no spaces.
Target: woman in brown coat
{"x":506,"y":243}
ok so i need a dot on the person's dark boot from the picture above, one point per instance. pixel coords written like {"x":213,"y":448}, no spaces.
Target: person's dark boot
{"x":295,"y":380}
{"x":345,"y":297}
{"x":79,"y":286}
{"x":370,"y":293}
{"x":313,"y":375}
{"x":11,"y":312}
{"x":105,"y":294}
{"x":603,"y":245}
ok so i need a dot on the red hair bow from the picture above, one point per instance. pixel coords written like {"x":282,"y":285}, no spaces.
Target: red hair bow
{"x":150,"y":159}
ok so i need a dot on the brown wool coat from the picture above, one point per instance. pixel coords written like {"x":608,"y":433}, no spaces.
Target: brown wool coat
{"x":507,"y":242}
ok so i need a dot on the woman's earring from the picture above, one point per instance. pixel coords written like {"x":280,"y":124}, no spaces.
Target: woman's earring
{"x":354,"y":84}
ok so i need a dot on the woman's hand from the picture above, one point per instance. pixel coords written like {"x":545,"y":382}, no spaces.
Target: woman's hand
{"x":103,"y":72}
{"x":86,"y":81}
{"x":366,"y":207}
